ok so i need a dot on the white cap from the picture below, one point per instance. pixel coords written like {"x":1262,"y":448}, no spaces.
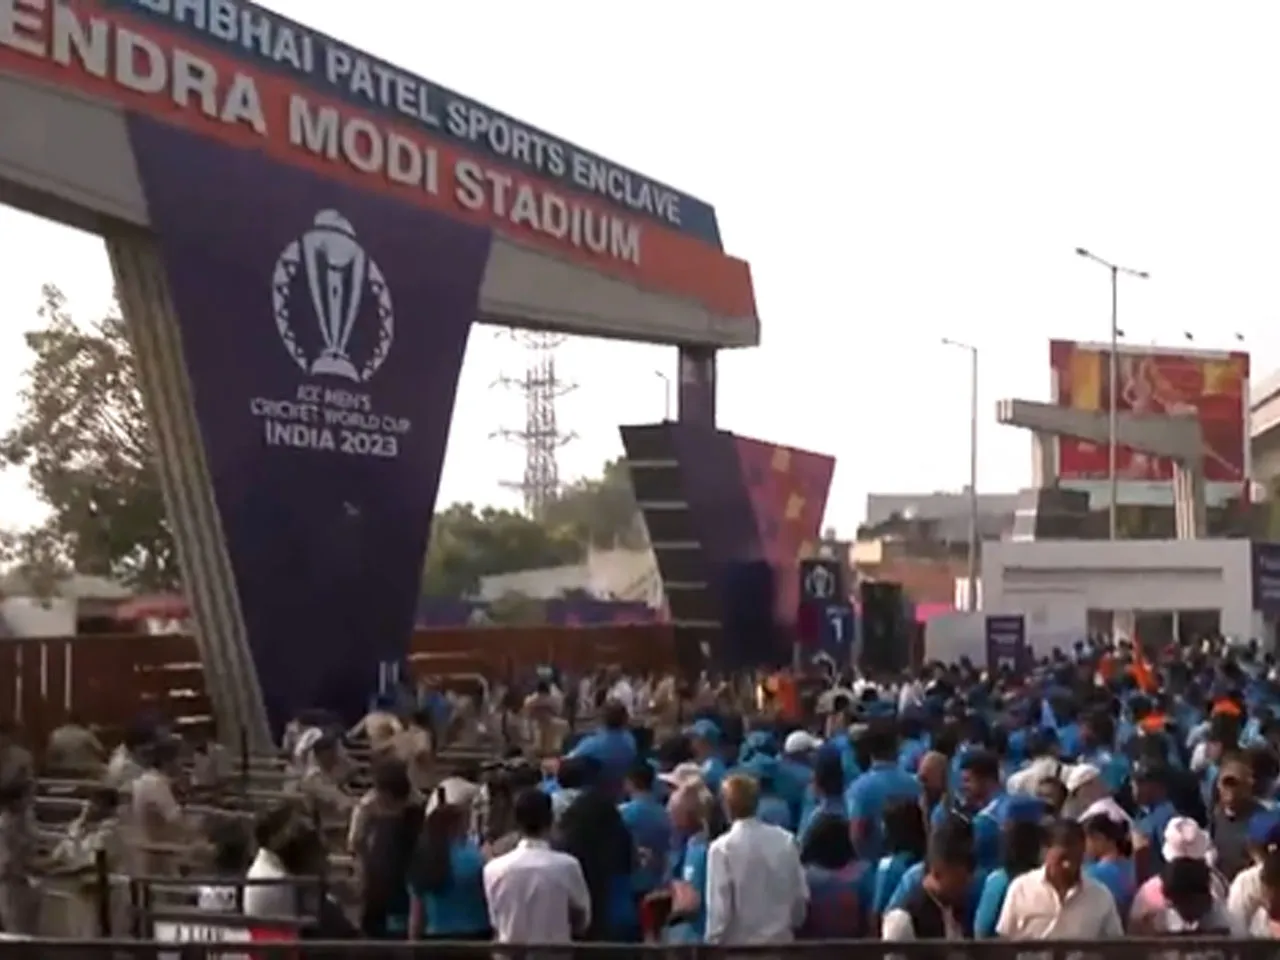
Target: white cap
{"x":683,"y":774}
{"x":800,"y":741}
{"x":1186,"y":839}
{"x":1079,"y":775}
{"x":1108,"y":808}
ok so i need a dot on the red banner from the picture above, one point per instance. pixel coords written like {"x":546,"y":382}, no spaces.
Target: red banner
{"x":1212,"y":385}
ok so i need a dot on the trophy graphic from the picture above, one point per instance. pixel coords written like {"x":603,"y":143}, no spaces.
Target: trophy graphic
{"x":336,"y":265}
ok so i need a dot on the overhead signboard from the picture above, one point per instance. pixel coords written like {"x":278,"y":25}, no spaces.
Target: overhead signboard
{"x":252,"y":78}
{"x":1212,"y":386}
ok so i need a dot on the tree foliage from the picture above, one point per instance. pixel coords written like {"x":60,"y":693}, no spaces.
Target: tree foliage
{"x":467,"y":545}
{"x":602,"y":510}
{"x":82,"y":435}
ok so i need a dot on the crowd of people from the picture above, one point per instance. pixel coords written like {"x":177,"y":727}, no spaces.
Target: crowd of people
{"x":1100,"y":793}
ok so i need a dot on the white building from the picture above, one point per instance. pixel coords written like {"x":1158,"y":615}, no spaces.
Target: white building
{"x":630,"y":575}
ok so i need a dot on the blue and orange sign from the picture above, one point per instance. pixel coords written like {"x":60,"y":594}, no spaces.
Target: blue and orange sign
{"x":253,"y":79}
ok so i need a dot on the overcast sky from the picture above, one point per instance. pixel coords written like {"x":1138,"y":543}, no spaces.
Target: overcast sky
{"x":895,"y":172}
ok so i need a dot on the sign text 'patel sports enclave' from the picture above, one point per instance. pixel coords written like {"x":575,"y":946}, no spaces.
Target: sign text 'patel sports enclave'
{"x":246,"y":28}
{"x":101,"y":48}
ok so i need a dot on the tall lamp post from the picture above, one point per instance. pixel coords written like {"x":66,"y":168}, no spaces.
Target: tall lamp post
{"x":666,"y":394}
{"x":972,"y":595}
{"x":1113,"y":378}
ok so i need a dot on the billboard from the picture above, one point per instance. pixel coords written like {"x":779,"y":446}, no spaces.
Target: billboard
{"x":1212,"y":385}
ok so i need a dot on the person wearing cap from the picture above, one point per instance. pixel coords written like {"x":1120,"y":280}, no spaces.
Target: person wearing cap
{"x":1085,"y":787}
{"x":1246,"y":896}
{"x":1183,"y":839}
{"x":693,"y":810}
{"x":649,"y":824}
{"x":795,"y":769}
{"x":771,"y":807}
{"x":705,"y":741}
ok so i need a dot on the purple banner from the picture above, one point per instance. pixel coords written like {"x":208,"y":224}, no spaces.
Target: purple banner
{"x":324,"y":329}
{"x":1265,"y":563}
{"x":1006,"y":642}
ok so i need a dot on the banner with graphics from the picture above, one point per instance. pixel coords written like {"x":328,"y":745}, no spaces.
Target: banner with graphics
{"x":1006,"y":642}
{"x":323,"y":329}
{"x":1265,"y":561}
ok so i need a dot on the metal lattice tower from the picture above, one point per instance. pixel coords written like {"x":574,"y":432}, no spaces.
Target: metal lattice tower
{"x":541,"y":436}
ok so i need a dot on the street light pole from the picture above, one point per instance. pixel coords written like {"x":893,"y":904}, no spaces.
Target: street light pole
{"x":1113,"y":384}
{"x":666,"y":394}
{"x":972,"y":593}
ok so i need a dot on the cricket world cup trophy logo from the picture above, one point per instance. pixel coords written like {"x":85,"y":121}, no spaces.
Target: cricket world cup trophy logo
{"x":339,"y":275}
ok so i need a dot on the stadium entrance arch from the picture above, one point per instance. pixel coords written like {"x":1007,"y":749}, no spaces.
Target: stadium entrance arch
{"x":302,"y":236}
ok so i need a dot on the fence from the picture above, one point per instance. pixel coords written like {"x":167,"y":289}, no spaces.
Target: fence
{"x":263,"y":945}
{"x":108,"y":679}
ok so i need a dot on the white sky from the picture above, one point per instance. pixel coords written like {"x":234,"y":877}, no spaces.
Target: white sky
{"x":895,"y":172}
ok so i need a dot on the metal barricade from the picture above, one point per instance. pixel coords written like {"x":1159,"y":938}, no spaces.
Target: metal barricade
{"x":265,"y":943}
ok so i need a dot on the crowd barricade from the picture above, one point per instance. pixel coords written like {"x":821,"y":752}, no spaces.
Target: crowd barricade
{"x":265,"y":943}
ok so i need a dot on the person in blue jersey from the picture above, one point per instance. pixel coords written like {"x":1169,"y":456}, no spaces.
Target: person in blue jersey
{"x":906,"y":840}
{"x":835,"y":879}
{"x":915,"y":741}
{"x":1097,"y":735}
{"x":771,"y":807}
{"x":1110,"y":858}
{"x":695,"y":815}
{"x":1150,"y":780}
{"x":446,"y":882}
{"x":705,"y":740}
{"x":612,"y":746}
{"x":649,"y":824}
{"x":795,"y":770}
{"x":757,"y":743}
{"x":592,"y":831}
{"x":983,"y":801}
{"x":1021,"y":840}
{"x":874,"y":790}
{"x":826,"y":794}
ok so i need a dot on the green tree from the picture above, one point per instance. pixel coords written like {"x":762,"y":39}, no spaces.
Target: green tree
{"x":467,"y":544}
{"x":601,"y":511}
{"x":82,"y":435}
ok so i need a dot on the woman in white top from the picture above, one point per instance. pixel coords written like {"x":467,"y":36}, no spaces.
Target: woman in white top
{"x":289,"y":852}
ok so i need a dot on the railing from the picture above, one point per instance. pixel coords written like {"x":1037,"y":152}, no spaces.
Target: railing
{"x":264,"y":948}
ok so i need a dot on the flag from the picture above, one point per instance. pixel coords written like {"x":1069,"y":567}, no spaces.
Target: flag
{"x":1141,"y":670}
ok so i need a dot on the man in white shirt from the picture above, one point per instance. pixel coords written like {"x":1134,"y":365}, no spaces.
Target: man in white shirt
{"x":535,"y":894}
{"x":622,"y":692}
{"x":1057,"y":901}
{"x":756,"y":889}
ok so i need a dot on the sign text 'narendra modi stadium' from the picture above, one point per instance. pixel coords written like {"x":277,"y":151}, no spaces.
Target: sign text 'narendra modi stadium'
{"x":93,"y":44}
